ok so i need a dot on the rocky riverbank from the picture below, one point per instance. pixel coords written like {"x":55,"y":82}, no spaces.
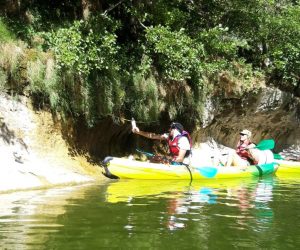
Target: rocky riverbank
{"x":32,"y":151}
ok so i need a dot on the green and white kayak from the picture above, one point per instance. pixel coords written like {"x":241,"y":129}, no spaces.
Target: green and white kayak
{"x":123,"y":168}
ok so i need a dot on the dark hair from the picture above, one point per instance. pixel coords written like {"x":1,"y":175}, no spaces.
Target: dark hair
{"x":177,"y":125}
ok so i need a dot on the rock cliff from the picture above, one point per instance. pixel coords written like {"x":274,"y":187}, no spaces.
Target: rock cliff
{"x":32,"y":151}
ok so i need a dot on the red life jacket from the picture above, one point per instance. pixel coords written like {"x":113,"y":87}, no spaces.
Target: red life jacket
{"x":242,"y":152}
{"x":173,"y":144}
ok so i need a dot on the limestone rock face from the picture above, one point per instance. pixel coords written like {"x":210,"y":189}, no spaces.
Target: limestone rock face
{"x":32,"y":151}
{"x":271,"y":113}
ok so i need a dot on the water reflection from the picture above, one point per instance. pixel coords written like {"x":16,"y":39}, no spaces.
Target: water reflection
{"x":253,"y":202}
{"x":251,"y":197}
{"x":241,"y":213}
{"x":24,"y":215}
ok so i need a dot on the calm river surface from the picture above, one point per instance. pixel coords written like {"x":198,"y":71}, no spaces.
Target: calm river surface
{"x":238,"y":214}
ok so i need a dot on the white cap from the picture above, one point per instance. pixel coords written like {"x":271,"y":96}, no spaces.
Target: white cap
{"x":246,"y":132}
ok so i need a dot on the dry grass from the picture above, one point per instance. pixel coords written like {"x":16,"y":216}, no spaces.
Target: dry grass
{"x":12,"y":72}
{"x":11,"y":55}
{"x":36,"y":75}
{"x":3,"y":80}
{"x":239,"y":81}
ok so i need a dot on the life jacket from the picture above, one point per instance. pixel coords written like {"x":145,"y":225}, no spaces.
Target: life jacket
{"x":174,"y":147}
{"x":242,"y":152}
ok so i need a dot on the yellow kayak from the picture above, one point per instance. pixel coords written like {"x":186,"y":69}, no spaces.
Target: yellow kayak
{"x":288,"y":167}
{"x":123,"y":168}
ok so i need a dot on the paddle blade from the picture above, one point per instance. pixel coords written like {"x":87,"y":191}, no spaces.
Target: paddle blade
{"x":266,"y":144}
{"x":278,"y":157}
{"x":208,"y":172}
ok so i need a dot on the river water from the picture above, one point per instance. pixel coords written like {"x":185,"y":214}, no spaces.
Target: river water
{"x":236,"y":214}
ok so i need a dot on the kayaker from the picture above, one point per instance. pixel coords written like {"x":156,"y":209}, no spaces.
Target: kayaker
{"x":178,"y":139}
{"x":243,"y":155}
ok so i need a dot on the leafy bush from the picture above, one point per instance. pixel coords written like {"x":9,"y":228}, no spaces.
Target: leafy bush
{"x":177,"y":54}
{"x":219,"y":43}
{"x":83,"y":47}
{"x":284,"y":48}
{"x":85,"y":79}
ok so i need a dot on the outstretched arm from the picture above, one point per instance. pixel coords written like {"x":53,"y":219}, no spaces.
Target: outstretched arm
{"x":149,"y":134}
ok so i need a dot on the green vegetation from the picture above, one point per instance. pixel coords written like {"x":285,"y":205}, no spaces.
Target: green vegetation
{"x":5,"y":34}
{"x":147,"y":59}
{"x":177,"y":54}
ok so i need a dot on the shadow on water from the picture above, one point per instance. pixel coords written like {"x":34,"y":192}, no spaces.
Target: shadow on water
{"x":240,"y":213}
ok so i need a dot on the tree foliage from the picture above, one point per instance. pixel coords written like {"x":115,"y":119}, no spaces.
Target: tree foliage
{"x":177,"y":54}
{"x":124,"y":53}
{"x":84,"y":47}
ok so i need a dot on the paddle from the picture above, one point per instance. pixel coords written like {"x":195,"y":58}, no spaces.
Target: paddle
{"x":265,"y":144}
{"x":211,"y":172}
{"x":145,"y":153}
{"x":278,"y":157}
{"x":206,"y":171}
